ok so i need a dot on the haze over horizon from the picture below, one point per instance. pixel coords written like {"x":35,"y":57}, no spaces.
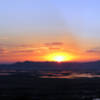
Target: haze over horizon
{"x":49,"y":30}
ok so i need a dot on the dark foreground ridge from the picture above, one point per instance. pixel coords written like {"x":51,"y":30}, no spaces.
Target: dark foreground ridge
{"x":29,"y":88}
{"x":53,"y":65}
{"x":23,"y":81}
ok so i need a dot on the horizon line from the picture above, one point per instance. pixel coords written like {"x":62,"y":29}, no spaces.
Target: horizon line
{"x":48,"y":62}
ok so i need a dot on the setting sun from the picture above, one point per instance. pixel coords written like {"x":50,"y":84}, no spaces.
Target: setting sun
{"x":59,"y":57}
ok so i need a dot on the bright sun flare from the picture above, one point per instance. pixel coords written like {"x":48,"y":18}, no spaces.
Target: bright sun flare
{"x":59,"y":57}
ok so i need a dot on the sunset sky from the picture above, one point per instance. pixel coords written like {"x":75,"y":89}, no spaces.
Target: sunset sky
{"x":37,"y":30}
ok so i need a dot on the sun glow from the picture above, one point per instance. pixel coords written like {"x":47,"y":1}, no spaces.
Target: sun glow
{"x":59,"y":57}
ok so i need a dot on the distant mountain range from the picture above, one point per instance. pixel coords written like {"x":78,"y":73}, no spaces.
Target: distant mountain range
{"x":28,"y":65}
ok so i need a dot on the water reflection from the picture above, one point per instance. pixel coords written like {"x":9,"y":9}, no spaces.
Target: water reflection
{"x":69,"y":75}
{"x":51,"y":74}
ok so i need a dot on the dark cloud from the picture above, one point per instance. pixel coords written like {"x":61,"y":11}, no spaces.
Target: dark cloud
{"x":94,"y":50}
{"x":54,"y":44}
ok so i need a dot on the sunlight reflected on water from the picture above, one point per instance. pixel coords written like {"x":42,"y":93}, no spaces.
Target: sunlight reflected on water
{"x":69,"y":75}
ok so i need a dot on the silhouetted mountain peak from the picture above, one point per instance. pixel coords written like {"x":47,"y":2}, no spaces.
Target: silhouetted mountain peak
{"x":53,"y":65}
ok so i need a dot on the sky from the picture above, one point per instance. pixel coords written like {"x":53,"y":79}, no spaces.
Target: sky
{"x":35,"y":29}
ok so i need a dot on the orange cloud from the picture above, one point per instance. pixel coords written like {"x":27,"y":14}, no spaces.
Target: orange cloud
{"x":3,"y":51}
{"x":22,"y":51}
{"x":3,"y":38}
